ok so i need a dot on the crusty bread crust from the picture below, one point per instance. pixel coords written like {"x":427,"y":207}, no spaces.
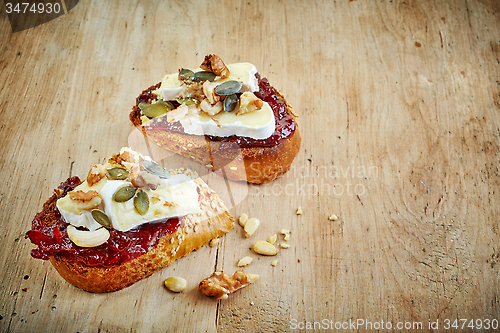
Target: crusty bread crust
{"x":255,"y":165}
{"x":212,"y":222}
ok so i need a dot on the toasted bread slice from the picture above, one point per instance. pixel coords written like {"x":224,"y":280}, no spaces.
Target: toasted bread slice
{"x":259,"y":164}
{"x":196,"y":230}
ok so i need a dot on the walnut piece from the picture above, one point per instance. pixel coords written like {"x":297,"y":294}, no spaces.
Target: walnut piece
{"x":220,"y":284}
{"x":209,"y":109}
{"x":95,"y":174}
{"x":209,"y":91}
{"x":213,"y":63}
{"x":249,"y":103}
{"x":193,"y":90}
{"x":85,"y":200}
{"x":144,"y":179}
{"x":83,"y":196}
{"x":124,"y":157}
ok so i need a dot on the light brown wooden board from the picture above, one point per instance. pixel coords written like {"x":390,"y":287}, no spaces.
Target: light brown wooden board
{"x":399,"y":112}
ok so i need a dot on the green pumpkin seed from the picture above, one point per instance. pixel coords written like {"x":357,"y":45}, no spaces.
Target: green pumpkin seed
{"x":153,"y":110}
{"x":155,"y":169}
{"x":125,"y":193}
{"x":168,"y":104}
{"x":185,"y":74}
{"x":188,"y":101}
{"x":204,"y":76}
{"x":101,"y":218}
{"x":141,"y":202}
{"x":230,"y":102}
{"x":118,"y":173}
{"x":228,"y":87}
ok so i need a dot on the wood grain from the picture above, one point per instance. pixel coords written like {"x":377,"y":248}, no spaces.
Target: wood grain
{"x":399,"y":112}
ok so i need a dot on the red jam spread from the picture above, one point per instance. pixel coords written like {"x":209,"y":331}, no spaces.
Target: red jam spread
{"x":284,"y":123}
{"x":119,"y":248}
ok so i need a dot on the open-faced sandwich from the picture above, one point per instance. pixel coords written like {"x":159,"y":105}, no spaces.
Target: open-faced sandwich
{"x":227,"y":118}
{"x":127,"y":219}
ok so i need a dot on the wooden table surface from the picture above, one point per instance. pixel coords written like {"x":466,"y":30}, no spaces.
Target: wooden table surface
{"x":399,"y":113}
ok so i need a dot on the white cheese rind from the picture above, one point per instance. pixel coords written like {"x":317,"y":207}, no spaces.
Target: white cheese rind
{"x":178,"y":199}
{"x":174,"y":197}
{"x":256,"y":125}
{"x":84,"y":219}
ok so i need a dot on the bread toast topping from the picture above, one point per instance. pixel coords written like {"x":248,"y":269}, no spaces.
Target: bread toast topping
{"x":50,"y":233}
{"x":284,"y":123}
{"x":166,"y":198}
{"x":221,"y":106}
{"x":95,"y":223}
{"x":242,"y":72}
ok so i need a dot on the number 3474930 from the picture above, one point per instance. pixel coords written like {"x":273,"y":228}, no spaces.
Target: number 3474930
{"x":35,"y":8}
{"x":472,"y":324}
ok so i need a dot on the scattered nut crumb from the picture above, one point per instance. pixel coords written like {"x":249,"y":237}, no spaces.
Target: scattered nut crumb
{"x":272,"y":239}
{"x":284,"y":245}
{"x":214,"y":242}
{"x":274,"y":263}
{"x":299,"y":211}
{"x":286,"y":234}
{"x":243,"y":219}
{"x":220,"y":285}
{"x":251,"y":226}
{"x":265,"y":248}
{"x":244,"y":261}
{"x":175,"y":284}
{"x":333,"y":217}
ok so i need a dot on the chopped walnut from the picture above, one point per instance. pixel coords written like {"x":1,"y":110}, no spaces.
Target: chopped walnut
{"x":144,"y":179}
{"x":249,"y":103}
{"x":213,"y":63}
{"x":83,"y":196}
{"x":220,"y":285}
{"x":191,"y":90}
{"x":209,"y":109}
{"x":177,"y":114}
{"x":85,"y":200}
{"x":209,"y":91}
{"x":122,"y":157}
{"x":95,"y":174}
